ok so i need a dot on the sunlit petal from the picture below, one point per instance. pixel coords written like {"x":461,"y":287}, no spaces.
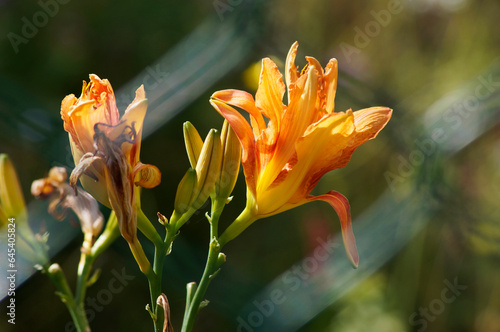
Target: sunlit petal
{"x":296,"y":119}
{"x":330,"y":85}
{"x":290,"y":68}
{"x":269,"y":96}
{"x":245,"y":101}
{"x":244,"y":133}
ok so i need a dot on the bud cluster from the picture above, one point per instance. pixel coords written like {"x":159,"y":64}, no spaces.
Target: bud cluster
{"x":214,"y":167}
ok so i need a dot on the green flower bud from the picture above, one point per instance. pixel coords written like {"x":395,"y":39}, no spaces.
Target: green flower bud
{"x":185,"y":192}
{"x":194,"y":143}
{"x":12,"y":203}
{"x":231,"y":157}
{"x":207,"y":168}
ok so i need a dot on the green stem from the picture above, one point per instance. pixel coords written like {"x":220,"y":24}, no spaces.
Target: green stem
{"x":108,"y":236}
{"x":76,"y":311}
{"x":147,"y":228}
{"x":193,"y":302}
{"x":190,"y":290}
{"x":84,"y":269}
{"x":177,"y":219}
{"x":245,"y":219}
{"x":155,"y":284}
{"x":162,"y":249}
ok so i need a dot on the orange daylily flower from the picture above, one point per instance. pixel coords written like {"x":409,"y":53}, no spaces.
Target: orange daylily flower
{"x":284,"y":160}
{"x":106,"y":149}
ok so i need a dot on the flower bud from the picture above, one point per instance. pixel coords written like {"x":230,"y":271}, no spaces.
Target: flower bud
{"x":185,"y":192}
{"x":221,"y":259}
{"x":194,"y":143}
{"x":207,"y":168}
{"x":231,"y":157}
{"x":12,"y":203}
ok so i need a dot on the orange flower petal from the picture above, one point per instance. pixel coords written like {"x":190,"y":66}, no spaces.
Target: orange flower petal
{"x":296,"y":119}
{"x":146,"y":176}
{"x":290,"y":68}
{"x":265,"y":137}
{"x":68,"y":102}
{"x":317,"y":153}
{"x":341,"y":205}
{"x":315,"y":63}
{"x":330,"y":85}
{"x":102,"y":92}
{"x":83,"y":117}
{"x":245,"y":101}
{"x":269,"y":96}
{"x":368,"y":122}
{"x":244,"y":133}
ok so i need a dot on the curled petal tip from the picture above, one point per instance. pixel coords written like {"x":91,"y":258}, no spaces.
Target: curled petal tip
{"x":341,"y":205}
{"x":353,"y":256}
{"x":146,"y":176}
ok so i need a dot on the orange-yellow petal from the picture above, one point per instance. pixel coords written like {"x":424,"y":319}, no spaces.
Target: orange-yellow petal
{"x":244,"y":133}
{"x":368,"y":122}
{"x":317,"y":152}
{"x":315,"y":63}
{"x":290,"y":68}
{"x":341,"y":205}
{"x":83,"y":117}
{"x":245,"y":101}
{"x":265,"y":138}
{"x":330,"y":85}
{"x":296,"y":119}
{"x":146,"y":176}
{"x":269,"y":96}
{"x":96,"y":105}
{"x":68,"y":102}
{"x":101,"y":92}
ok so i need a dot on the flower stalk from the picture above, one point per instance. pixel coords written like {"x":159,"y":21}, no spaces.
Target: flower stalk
{"x":194,"y":301}
{"x":76,"y":310}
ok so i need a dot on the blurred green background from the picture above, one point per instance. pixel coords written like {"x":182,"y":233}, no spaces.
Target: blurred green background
{"x":424,"y":194}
